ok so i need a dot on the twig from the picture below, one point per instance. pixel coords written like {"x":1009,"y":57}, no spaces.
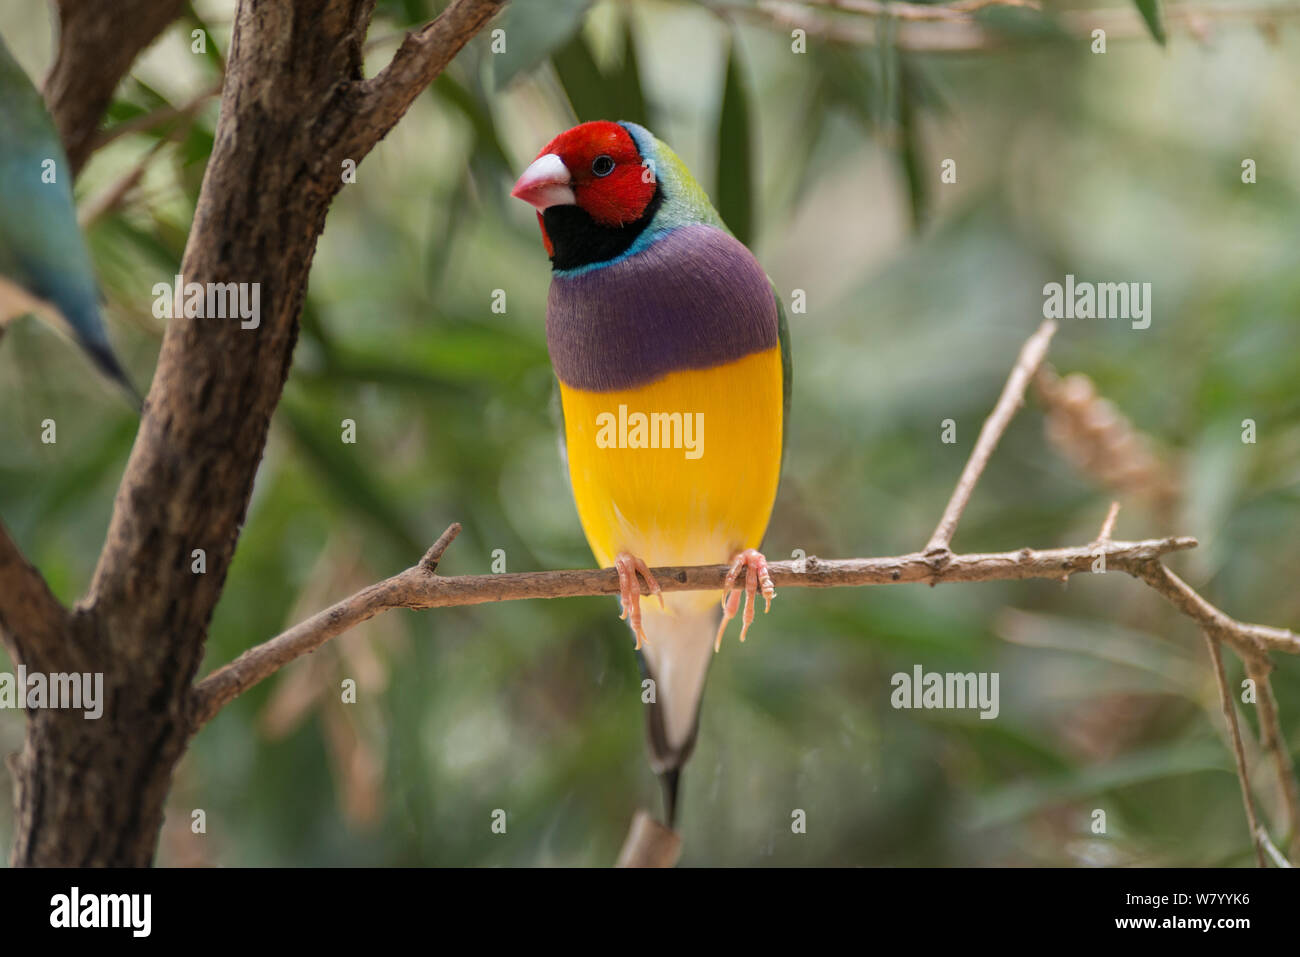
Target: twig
{"x":1271,"y":849}
{"x":112,"y":197}
{"x":1108,"y":525}
{"x":156,"y":118}
{"x":1274,"y":744}
{"x":1013,"y":394}
{"x":963,"y":10}
{"x":1230,"y":717}
{"x":429,"y":563}
{"x":1121,"y":22}
{"x":420,"y":58}
{"x":649,"y":844}
{"x":963,"y":33}
{"x":1246,"y":639}
{"x":265,"y":659}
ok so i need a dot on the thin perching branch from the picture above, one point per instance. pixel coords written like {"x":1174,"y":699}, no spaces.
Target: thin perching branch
{"x":420,"y":587}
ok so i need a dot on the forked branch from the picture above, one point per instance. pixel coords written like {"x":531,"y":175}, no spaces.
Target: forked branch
{"x":420,"y":587}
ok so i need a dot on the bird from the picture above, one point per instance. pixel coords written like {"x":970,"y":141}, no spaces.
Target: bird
{"x":45,"y":268}
{"x":671,"y":350}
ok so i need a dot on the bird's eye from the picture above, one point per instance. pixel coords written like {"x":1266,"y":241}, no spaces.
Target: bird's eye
{"x":602,"y":165}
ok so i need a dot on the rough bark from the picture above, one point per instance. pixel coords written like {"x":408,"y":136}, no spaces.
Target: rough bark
{"x":98,"y":42}
{"x":293,"y":107}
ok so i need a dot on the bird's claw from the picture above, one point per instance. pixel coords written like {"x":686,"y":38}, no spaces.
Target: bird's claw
{"x":756,"y":578}
{"x":629,"y":592}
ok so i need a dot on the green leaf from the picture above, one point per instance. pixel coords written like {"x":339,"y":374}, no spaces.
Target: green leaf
{"x":118,"y":230}
{"x":627,"y":82}
{"x":119,"y":111}
{"x":910,"y":155}
{"x":582,"y":80}
{"x":146,"y":94}
{"x":410,"y":13}
{"x":67,"y":487}
{"x":596,"y":94}
{"x":454,"y":93}
{"x":1151,"y":13}
{"x":850,"y":81}
{"x":735,"y":179}
{"x":532,"y":31}
{"x":1017,"y":800}
{"x":450,"y":214}
{"x":1022,"y":23}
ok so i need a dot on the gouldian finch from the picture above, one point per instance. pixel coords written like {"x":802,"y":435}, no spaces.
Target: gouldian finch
{"x":670,"y":346}
{"x":44,"y":266}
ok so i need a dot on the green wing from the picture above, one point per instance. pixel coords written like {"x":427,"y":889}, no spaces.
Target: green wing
{"x":787,"y":372}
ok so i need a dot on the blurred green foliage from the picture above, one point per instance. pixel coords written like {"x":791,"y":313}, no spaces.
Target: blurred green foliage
{"x":1119,"y":167}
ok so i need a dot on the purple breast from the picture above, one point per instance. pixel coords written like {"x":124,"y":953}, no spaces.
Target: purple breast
{"x":694,"y":298}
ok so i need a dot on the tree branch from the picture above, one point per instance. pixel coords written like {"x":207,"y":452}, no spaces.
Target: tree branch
{"x":1108,"y":524}
{"x":1013,"y":396}
{"x":156,"y":118}
{"x":266,"y":659}
{"x":33,"y":623}
{"x":649,"y":844}
{"x":953,"y":28}
{"x":417,"y":62}
{"x":93,"y":792}
{"x":1249,"y":641}
{"x":1226,"y":701}
{"x":1271,"y":850}
{"x":92,"y":211}
{"x":418,"y":588}
{"x":98,"y":42}
{"x":292,"y":81}
{"x":1274,"y":745}
{"x":962,"y":11}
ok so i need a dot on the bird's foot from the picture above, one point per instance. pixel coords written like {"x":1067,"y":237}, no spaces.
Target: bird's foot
{"x":756,"y":578}
{"x":629,"y":591}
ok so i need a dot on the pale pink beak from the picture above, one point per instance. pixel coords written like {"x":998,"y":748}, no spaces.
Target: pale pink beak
{"x":545,"y":183}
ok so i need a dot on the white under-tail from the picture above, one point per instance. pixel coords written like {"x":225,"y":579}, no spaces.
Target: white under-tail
{"x":676,"y":657}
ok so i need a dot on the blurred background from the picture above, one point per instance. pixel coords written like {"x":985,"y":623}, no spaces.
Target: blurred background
{"x":1123,"y":166}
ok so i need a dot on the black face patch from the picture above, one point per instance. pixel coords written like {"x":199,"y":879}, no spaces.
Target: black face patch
{"x":578,"y":240}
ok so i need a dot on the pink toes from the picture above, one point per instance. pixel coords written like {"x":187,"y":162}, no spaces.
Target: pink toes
{"x":756,"y":578}
{"x":629,"y":591}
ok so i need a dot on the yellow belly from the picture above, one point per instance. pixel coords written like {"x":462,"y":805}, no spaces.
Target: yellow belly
{"x":698,"y":502}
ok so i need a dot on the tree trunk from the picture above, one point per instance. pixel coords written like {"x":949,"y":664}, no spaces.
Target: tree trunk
{"x":294,"y":106}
